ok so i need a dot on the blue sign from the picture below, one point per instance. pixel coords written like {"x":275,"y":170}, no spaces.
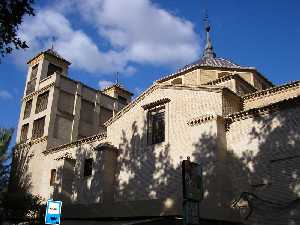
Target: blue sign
{"x":53,"y":212}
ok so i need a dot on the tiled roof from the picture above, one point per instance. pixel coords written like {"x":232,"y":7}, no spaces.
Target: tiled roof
{"x":51,"y":52}
{"x":214,"y":62}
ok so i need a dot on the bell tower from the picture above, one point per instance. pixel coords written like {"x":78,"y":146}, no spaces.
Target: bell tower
{"x":43,"y":72}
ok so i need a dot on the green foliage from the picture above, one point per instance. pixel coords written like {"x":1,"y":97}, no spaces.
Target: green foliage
{"x":5,"y":137}
{"x":11,"y":15}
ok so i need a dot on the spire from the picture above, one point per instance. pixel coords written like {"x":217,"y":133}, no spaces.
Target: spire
{"x":209,"y":50}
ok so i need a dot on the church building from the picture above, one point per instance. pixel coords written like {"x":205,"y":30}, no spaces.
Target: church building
{"x":107,"y":156}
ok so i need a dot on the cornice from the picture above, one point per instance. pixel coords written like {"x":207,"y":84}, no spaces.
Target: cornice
{"x":77,"y":143}
{"x":230,"y":77}
{"x":156,"y":103}
{"x":202,"y":119}
{"x":32,"y":142}
{"x":27,"y":97}
{"x":66,"y":155}
{"x":250,"y":113}
{"x":271,"y":91}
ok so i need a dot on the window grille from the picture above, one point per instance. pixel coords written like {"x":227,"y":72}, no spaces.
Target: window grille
{"x":27,"y":109}
{"x":30,"y":86}
{"x":38,"y":128}
{"x":34,"y":71}
{"x":42,"y":102}
{"x":24,"y":132}
{"x":156,"y":125}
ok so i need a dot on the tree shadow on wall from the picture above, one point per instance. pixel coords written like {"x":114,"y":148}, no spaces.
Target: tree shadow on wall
{"x":19,"y":203}
{"x":264,"y":168}
{"x":259,"y":178}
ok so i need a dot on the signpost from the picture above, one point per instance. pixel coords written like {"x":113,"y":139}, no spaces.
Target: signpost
{"x":53,"y":212}
{"x":192,"y":191}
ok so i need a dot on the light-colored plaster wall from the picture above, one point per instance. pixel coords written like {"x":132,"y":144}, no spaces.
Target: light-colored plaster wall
{"x":271,"y":97}
{"x":264,"y":160}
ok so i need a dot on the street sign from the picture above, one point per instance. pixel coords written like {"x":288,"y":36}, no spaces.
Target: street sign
{"x":192,"y":180}
{"x":53,"y":212}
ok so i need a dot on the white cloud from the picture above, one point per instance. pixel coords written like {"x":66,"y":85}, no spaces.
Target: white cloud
{"x":136,"y":30}
{"x":104,"y":83}
{"x":5,"y":95}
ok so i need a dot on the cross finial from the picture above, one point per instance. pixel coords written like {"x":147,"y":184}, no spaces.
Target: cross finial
{"x":209,"y":50}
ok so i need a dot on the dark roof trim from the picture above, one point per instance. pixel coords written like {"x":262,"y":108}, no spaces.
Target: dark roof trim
{"x":286,"y":103}
{"x":230,"y":77}
{"x":156,"y":103}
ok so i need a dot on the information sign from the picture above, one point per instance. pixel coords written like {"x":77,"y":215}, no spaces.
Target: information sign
{"x":53,"y":212}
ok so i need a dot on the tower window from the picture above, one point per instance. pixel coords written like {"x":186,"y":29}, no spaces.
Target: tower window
{"x":156,"y":125}
{"x":122,"y":100}
{"x":52,"y":177}
{"x":27,"y":109}
{"x":88,"y":167}
{"x":24,"y":132}
{"x":52,"y":69}
{"x":38,"y":128}
{"x":87,"y":111}
{"x":34,"y":71}
{"x":42,"y":102}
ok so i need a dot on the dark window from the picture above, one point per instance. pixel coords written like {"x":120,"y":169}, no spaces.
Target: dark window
{"x":30,"y":86}
{"x":52,"y":69}
{"x":38,"y":128}
{"x":122,"y":100}
{"x":24,"y":132}
{"x":42,"y":101}
{"x":156,"y":125}
{"x":88,"y":167}
{"x":34,"y":71}
{"x":52,"y":177}
{"x":87,"y":111}
{"x":27,"y":109}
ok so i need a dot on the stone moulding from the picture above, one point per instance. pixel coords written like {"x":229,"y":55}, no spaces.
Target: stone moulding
{"x":230,"y":77}
{"x":156,"y":103}
{"x":271,"y":91}
{"x":66,"y":155}
{"x":32,"y":142}
{"x":46,"y":88}
{"x":86,"y":140}
{"x":201,"y":119}
{"x":250,"y":113}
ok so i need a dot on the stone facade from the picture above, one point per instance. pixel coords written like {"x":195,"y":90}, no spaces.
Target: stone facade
{"x":109,"y":160}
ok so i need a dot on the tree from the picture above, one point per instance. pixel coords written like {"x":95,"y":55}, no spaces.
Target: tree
{"x":11,"y":15}
{"x":5,"y":137}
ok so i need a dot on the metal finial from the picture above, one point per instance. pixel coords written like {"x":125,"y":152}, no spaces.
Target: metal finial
{"x":209,"y":50}
{"x":52,"y":43}
{"x":117,"y":78}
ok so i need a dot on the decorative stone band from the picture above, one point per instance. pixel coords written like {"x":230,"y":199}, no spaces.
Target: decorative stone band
{"x":230,"y":77}
{"x":271,"y":91}
{"x":156,"y":103}
{"x":86,"y":140}
{"x":201,"y":119}
{"x":66,"y":155}
{"x":32,"y":142}
{"x":38,"y":91}
{"x":286,"y":103}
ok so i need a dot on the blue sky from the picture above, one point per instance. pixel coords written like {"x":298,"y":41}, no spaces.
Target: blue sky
{"x":144,"y":40}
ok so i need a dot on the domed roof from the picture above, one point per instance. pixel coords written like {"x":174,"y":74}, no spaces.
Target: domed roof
{"x":213,"y":62}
